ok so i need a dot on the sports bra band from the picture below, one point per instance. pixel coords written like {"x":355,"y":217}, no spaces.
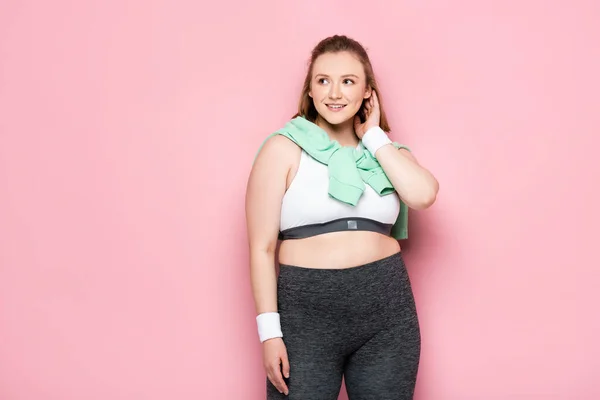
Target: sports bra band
{"x":337,"y":225}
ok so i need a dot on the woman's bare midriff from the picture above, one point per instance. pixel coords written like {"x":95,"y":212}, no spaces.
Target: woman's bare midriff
{"x":337,"y":250}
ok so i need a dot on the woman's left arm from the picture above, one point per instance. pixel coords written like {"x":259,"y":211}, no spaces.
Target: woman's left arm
{"x":416,"y":186}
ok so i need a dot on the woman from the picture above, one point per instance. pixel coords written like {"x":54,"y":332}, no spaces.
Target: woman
{"x":332,"y":186}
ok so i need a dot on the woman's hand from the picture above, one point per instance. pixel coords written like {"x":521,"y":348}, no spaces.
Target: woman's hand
{"x":275,"y":359}
{"x":372,"y":116}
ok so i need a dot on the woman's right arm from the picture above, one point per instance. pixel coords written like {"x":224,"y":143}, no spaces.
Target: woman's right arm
{"x":264,"y":193}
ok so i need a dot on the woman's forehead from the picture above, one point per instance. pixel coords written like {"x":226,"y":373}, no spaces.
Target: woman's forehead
{"x":338,"y":65}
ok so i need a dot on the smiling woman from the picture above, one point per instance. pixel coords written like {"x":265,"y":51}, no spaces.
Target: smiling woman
{"x":338,"y":90}
{"x":339,"y":60}
{"x":335,"y":188}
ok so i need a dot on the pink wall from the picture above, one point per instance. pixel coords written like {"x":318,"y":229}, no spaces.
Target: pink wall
{"x":127,"y":131}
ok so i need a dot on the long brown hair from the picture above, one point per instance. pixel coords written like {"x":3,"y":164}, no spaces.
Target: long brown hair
{"x":335,"y":44}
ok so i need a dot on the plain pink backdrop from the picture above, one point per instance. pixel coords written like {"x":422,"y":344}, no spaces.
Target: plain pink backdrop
{"x":127,"y":132}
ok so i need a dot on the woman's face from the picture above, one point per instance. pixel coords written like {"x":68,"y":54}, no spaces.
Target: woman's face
{"x":338,"y":86}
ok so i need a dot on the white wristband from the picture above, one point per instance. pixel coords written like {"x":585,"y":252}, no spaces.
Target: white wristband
{"x":374,"y":139}
{"x":269,"y":326}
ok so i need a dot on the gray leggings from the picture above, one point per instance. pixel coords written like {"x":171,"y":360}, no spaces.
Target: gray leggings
{"x":359,"y":323}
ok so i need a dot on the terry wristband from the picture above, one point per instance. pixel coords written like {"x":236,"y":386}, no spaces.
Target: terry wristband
{"x":374,"y":139}
{"x":269,"y":326}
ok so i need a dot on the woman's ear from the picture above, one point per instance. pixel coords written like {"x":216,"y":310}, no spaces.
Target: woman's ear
{"x":368,"y":92}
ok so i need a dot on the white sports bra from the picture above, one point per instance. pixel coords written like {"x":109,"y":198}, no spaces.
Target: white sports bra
{"x":307,"y":209}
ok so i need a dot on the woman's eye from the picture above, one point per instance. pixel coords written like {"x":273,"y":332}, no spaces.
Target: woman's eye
{"x":324,"y":81}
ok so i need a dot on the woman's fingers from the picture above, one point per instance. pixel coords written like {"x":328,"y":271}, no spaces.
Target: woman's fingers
{"x":274,"y":382}
{"x":276,"y":378}
{"x":285,"y":364}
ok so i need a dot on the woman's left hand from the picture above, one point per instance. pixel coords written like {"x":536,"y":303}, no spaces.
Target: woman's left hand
{"x":372,"y":116}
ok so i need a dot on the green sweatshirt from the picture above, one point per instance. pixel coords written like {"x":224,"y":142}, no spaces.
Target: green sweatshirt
{"x":350,"y":169}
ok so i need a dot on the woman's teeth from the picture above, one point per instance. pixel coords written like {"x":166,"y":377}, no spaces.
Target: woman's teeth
{"x":335,"y":106}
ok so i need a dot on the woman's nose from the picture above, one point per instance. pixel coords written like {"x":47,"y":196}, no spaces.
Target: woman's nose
{"x":335,"y":92}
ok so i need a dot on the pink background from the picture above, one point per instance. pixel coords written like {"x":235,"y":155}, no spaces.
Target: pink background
{"x":127,"y":131}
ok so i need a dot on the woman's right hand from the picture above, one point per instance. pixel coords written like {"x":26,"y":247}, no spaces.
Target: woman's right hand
{"x":275,"y":360}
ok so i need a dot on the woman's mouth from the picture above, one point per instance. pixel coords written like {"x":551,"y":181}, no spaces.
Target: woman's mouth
{"x":336,"y":107}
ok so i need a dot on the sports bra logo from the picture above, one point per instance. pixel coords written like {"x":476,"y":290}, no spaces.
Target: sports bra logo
{"x":352,"y":224}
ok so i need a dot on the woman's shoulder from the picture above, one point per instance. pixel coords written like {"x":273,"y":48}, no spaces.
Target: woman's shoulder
{"x":278,"y":147}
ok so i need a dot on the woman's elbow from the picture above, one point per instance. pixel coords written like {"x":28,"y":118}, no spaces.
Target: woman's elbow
{"x":427,"y":197}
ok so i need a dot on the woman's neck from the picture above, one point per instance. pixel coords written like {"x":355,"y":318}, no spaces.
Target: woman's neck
{"x":342,"y":133}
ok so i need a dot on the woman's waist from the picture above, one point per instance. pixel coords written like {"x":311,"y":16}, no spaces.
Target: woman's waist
{"x":337,"y":250}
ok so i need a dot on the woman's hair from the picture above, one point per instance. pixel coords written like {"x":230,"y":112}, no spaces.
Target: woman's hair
{"x":336,"y":44}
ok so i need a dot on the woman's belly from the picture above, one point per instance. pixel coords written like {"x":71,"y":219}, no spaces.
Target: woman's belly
{"x":337,"y":250}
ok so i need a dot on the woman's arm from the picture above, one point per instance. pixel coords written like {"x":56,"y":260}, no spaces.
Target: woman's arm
{"x":264,"y":192}
{"x":266,"y":186}
{"x":416,"y":186}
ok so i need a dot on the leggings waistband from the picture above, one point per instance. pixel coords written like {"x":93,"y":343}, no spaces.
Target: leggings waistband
{"x":362,"y":289}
